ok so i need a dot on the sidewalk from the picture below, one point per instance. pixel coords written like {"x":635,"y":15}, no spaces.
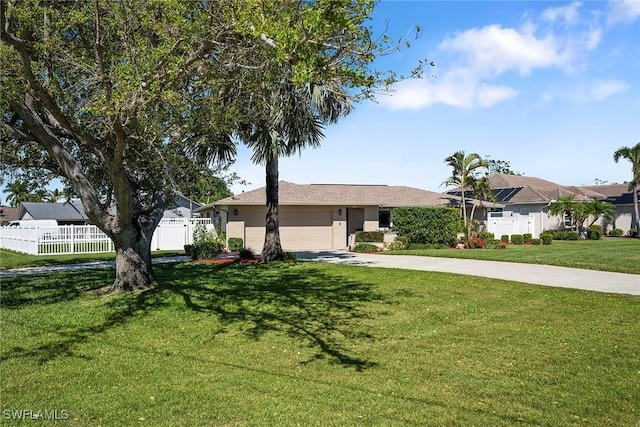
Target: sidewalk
{"x":545,"y":275}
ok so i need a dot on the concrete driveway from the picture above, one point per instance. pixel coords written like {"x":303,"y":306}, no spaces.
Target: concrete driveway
{"x":546,"y":275}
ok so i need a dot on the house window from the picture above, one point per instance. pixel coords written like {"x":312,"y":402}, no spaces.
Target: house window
{"x":524,"y":212}
{"x":384,"y":219}
{"x":567,"y":219}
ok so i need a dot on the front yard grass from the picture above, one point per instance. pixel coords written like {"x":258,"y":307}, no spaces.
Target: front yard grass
{"x":317,"y":344}
{"x":617,"y":255}
{"x":11,"y":259}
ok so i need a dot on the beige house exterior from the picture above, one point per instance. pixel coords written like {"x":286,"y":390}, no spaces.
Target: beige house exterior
{"x":529,"y":198}
{"x":318,"y":216}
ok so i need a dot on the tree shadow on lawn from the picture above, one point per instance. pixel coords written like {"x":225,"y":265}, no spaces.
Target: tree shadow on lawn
{"x":51,"y":288}
{"x":309,"y":304}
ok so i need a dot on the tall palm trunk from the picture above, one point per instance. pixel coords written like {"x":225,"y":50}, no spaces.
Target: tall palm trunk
{"x":272,"y":249}
{"x":636,"y":209}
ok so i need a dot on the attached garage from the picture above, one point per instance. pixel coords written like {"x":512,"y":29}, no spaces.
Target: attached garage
{"x":300,"y":228}
{"x":316,"y":216}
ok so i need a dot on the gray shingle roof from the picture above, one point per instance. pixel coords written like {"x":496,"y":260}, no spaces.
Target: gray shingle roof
{"x":68,"y":211}
{"x":343,"y":195}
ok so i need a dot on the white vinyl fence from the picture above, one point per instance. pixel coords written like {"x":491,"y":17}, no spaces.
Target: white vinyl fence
{"x":171,"y":234}
{"x":516,"y":224}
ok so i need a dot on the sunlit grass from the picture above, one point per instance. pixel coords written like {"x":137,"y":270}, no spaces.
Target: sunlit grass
{"x":318,"y":344}
{"x":618,"y":255}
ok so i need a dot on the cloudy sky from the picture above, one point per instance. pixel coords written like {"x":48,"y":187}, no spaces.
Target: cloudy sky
{"x":551,"y":87}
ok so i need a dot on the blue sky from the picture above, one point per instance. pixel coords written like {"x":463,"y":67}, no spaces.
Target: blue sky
{"x":551,"y":87}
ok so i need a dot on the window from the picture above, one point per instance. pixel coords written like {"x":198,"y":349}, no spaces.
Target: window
{"x":384,"y":219}
{"x":567,"y":219}
{"x":524,"y":212}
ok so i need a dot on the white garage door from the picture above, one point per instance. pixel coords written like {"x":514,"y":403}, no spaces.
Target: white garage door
{"x":299,"y":230}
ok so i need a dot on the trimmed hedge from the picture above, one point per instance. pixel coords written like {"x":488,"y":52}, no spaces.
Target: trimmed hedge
{"x":235,"y":244}
{"x":595,"y":232}
{"x":428,"y":225}
{"x":546,"y":238}
{"x":365,"y":247}
{"x":616,"y":232}
{"x":527,"y":237}
{"x":504,"y":238}
{"x":369,"y":236}
{"x":495,"y":244}
{"x":517,"y":239}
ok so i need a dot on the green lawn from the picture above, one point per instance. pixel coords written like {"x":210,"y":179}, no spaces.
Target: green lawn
{"x":317,"y":344}
{"x":619,"y":255}
{"x":10,"y":259}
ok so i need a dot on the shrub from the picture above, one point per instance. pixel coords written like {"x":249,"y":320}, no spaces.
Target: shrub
{"x":427,"y":225}
{"x":475,"y":243}
{"x":246,"y":253}
{"x":573,"y":235}
{"x":369,"y":236}
{"x":495,"y":244}
{"x":517,"y":239}
{"x":205,"y":250}
{"x":526,"y":237}
{"x":633,"y":232}
{"x":536,"y":242}
{"x":205,"y":243}
{"x":486,"y":235}
{"x":365,"y":248}
{"x":235,"y":244}
{"x":546,"y":238}
{"x":188,"y":249}
{"x":504,"y":238}
{"x":399,"y":244}
{"x":594,"y":232}
{"x":616,"y":232}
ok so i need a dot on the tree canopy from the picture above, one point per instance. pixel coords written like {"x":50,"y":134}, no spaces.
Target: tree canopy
{"x":121,"y":98}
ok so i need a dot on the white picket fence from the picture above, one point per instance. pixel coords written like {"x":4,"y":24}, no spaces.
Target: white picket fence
{"x":171,"y":234}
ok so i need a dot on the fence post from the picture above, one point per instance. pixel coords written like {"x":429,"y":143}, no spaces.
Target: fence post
{"x":73,"y":239}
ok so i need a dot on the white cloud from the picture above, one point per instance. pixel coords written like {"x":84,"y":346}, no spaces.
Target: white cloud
{"x":493,"y":50}
{"x":623,"y":11}
{"x":455,"y":88}
{"x":567,"y":13}
{"x":603,"y":89}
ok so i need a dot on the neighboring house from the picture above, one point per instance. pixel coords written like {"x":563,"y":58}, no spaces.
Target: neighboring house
{"x":528,"y":199}
{"x":7,"y":214}
{"x":182,"y":207}
{"x":317,"y":216}
{"x":621,"y":197}
{"x":67,"y":213}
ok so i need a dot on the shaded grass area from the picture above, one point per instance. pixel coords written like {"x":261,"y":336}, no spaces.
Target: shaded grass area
{"x":10,"y":259}
{"x":617,"y":255}
{"x":318,"y":344}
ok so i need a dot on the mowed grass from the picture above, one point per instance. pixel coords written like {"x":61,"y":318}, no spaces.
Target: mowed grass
{"x":318,"y":345}
{"x":11,"y":259}
{"x":617,"y":255}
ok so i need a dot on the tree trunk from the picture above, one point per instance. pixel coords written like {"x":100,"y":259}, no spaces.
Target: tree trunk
{"x":272,"y":249}
{"x":636,"y":209}
{"x":134,"y":270}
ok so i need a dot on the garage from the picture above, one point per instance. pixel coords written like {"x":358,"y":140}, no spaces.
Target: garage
{"x":300,"y":229}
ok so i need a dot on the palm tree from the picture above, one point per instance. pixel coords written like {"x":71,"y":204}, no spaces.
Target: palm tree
{"x":564,"y":205}
{"x":465,"y":173}
{"x":19,"y":192}
{"x":296,"y":120}
{"x":599,"y":208}
{"x":54,"y":195}
{"x":481,"y":190}
{"x":633,"y":155}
